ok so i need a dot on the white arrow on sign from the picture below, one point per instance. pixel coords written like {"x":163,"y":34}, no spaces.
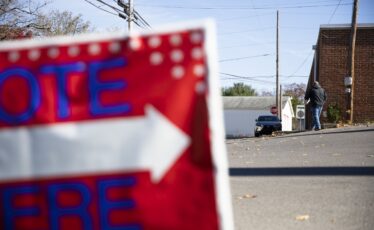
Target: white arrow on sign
{"x":149,"y":142}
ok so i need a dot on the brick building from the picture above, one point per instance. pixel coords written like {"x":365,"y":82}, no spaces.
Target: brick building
{"x":330,"y":67}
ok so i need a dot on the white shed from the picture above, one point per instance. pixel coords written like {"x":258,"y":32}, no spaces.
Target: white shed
{"x":240,"y":114}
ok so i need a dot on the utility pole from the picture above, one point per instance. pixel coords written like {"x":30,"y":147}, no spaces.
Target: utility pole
{"x":130,"y":14}
{"x":352,"y":60}
{"x":277,"y":68}
{"x":129,"y":11}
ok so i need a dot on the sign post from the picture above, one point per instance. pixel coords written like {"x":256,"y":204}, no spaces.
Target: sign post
{"x":111,"y":131}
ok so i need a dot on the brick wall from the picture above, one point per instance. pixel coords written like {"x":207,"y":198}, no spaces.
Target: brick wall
{"x":332,"y":58}
{"x":364,"y":76}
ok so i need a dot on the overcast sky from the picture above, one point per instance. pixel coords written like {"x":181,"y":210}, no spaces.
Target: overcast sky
{"x":246,"y":29}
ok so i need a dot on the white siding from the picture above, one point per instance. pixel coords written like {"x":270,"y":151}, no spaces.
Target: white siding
{"x":241,"y":123}
{"x":287,"y":117}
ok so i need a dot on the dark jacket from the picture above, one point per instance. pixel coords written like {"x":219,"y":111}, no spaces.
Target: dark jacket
{"x":317,"y":96}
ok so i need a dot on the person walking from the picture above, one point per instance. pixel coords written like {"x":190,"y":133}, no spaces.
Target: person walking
{"x":317,"y":97}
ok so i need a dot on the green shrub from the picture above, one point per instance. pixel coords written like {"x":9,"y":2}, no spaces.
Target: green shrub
{"x":333,"y":113}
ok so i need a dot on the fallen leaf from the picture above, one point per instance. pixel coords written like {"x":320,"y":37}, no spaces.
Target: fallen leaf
{"x":250,"y":196}
{"x":247,"y":196}
{"x":370,"y":155}
{"x":302,"y":217}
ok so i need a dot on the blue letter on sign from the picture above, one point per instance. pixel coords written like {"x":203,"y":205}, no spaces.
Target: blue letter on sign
{"x":106,"y":205}
{"x":10,"y":212}
{"x":34,"y":96}
{"x":62,"y":72}
{"x":81,"y":210}
{"x":96,"y":87}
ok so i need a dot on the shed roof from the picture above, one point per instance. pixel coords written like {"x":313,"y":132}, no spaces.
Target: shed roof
{"x":252,"y":102}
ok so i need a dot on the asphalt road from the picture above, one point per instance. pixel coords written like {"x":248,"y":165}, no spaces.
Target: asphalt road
{"x":309,"y":180}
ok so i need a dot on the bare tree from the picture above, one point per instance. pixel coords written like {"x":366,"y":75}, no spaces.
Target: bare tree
{"x":18,"y":18}
{"x":297,"y":92}
{"x":63,"y":23}
{"x":24,"y":18}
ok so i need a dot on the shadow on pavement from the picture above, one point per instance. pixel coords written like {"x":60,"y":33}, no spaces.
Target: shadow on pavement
{"x":303,"y":171}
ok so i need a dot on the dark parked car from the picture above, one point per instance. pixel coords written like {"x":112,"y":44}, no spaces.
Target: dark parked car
{"x":266,"y":124}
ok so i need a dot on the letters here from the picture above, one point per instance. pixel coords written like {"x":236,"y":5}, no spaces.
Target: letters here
{"x":77,"y":204}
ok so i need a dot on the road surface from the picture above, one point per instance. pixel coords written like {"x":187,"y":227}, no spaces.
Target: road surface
{"x":309,"y":180}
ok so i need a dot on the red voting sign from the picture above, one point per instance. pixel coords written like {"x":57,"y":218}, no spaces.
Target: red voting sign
{"x":112,"y":132}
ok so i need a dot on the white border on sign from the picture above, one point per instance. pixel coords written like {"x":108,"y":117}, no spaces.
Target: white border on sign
{"x":217,"y":132}
{"x":215,"y":108}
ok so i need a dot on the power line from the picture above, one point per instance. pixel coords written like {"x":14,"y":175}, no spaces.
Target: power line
{"x":110,"y":6}
{"x":236,"y":18}
{"x":246,"y":45}
{"x":239,"y":7}
{"x":142,"y":19}
{"x":245,"y":31}
{"x":294,"y":42}
{"x":241,"y":58}
{"x":119,"y":12}
{"x":252,"y":79}
{"x":297,"y":28}
{"x":296,"y":76}
{"x":99,"y":7}
{"x":272,"y":76}
{"x":246,"y":78}
{"x":337,"y":6}
{"x":301,"y":65}
{"x":312,"y":13}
